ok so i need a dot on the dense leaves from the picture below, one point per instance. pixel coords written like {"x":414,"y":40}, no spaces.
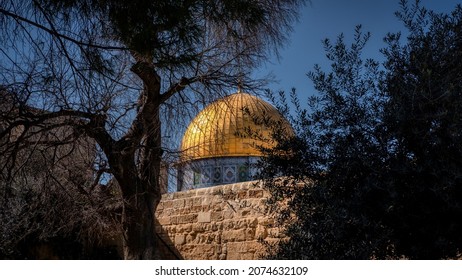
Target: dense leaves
{"x":384,"y":143}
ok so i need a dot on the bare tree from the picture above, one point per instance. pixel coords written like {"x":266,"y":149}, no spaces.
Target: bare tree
{"x":115,"y":71}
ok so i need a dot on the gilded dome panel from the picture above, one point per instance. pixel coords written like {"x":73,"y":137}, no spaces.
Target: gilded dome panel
{"x":220,"y":129}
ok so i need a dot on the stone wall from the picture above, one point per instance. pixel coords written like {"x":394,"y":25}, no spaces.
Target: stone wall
{"x":225,"y":222}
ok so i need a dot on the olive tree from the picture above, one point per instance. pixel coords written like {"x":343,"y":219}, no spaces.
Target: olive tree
{"x":375,"y":168}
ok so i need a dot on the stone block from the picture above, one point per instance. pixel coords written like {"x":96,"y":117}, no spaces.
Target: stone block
{"x":188,"y":202}
{"x":233,"y":235}
{"x":211,"y":239}
{"x":227,"y":188}
{"x":217,"y":207}
{"x":217,"y":191}
{"x":205,"y":200}
{"x":217,"y":239}
{"x":181,"y":211}
{"x":180,"y":239}
{"x":195,"y":209}
{"x":219,"y":226}
{"x":204,"y":217}
{"x":187,"y":227}
{"x":200,"y":239}
{"x":188,"y":218}
{"x":202,"y":192}
{"x":184,"y":194}
{"x":253,"y":222}
{"x":242,"y":194}
{"x":265,"y":221}
{"x":170,"y":229}
{"x":243,"y":250}
{"x":167,"y":196}
{"x":227,"y":225}
{"x":256,"y":193}
{"x":249,"y":234}
{"x":272,"y":241}
{"x":167,"y":212}
{"x":238,"y":187}
{"x":261,"y":232}
{"x":255,"y":202}
{"x":183,"y":228}
{"x":203,"y":252}
{"x":164,"y":220}
{"x":174,"y":220}
{"x":178,"y":203}
{"x":274,"y":233}
{"x":167,"y":203}
{"x":228,"y":214}
{"x":197,"y":201}
{"x":198,"y":227}
{"x":216,"y":216}
{"x":191,"y":238}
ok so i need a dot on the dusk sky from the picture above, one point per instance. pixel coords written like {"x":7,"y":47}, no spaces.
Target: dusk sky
{"x":327,"y":19}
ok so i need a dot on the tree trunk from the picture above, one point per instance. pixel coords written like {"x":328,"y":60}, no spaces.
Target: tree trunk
{"x":140,"y":176}
{"x":142,"y":198}
{"x":140,"y":240}
{"x":141,"y":195}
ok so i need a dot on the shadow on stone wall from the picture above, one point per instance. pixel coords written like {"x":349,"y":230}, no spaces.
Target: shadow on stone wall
{"x":167,"y":247}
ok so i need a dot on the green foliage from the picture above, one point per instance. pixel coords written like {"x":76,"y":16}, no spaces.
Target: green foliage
{"x":424,"y":116}
{"x":383,"y":177}
{"x":174,"y":32}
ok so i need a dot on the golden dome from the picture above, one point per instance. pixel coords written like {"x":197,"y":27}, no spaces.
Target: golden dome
{"x":220,"y":129}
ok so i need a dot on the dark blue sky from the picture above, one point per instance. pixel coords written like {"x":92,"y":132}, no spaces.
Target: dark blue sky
{"x":327,"y":19}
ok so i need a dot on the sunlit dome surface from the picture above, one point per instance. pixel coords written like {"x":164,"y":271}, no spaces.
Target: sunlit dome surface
{"x":220,"y":129}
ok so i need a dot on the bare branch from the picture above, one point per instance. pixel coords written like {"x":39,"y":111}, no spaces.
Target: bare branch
{"x":59,"y":35}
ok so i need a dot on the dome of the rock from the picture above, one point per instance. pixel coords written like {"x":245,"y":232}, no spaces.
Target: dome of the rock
{"x":220,"y":143}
